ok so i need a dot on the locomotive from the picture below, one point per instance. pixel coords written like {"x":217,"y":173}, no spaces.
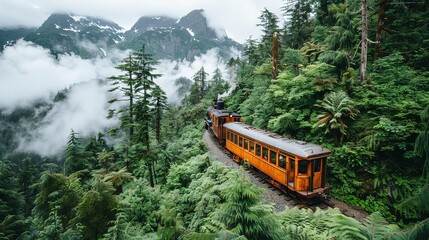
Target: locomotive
{"x":289,"y":164}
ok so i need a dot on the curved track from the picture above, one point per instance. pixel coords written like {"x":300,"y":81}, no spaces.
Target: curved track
{"x":273,"y":195}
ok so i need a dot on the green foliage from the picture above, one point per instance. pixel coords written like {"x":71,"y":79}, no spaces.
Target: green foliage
{"x":140,"y":204}
{"x":337,"y":106}
{"x":58,"y":197}
{"x":73,"y":153}
{"x":96,"y":209}
{"x":243,"y":213}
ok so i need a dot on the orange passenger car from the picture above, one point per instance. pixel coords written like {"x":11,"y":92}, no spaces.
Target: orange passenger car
{"x":291,"y":164}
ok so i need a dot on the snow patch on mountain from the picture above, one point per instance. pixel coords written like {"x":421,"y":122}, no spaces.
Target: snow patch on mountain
{"x":190,"y":32}
{"x":78,"y":18}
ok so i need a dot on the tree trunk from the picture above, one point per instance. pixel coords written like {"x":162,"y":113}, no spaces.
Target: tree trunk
{"x":364,"y":46}
{"x":275,"y":55}
{"x":380,"y":27}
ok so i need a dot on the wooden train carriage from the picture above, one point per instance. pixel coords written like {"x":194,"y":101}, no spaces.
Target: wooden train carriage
{"x":297,"y":165}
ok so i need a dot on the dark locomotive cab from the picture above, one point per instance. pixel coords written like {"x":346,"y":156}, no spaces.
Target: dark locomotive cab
{"x":217,"y":116}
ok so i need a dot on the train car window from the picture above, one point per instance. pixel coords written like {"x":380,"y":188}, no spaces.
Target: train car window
{"x":258,"y":150}
{"x":235,"y":139}
{"x":302,"y":166}
{"x":317,"y":165}
{"x":273,"y":157}
{"x":292,"y":164}
{"x":264,"y":153}
{"x":240,"y":142}
{"x":282,"y":161}
{"x":252,"y":146}
{"x":246,"y":144}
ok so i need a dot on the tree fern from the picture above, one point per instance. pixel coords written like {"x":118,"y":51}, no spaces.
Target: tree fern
{"x":343,"y":227}
{"x":376,"y":227}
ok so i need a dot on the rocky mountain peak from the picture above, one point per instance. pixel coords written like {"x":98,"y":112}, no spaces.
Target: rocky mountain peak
{"x":197,"y":23}
{"x":150,"y":23}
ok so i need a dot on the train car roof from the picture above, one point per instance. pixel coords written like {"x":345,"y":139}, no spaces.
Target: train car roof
{"x":288,"y":145}
{"x":224,"y":113}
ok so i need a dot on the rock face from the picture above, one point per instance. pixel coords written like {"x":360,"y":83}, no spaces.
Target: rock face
{"x":89,"y":37}
{"x":182,"y":38}
{"x":82,"y":35}
{"x":8,"y":36}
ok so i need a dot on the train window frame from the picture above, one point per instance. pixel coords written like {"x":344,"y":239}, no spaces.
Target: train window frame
{"x":270,"y":155}
{"x":258,"y":150}
{"x":251,"y":146}
{"x":246,"y":144}
{"x":280,"y":162}
{"x":317,"y":165}
{"x":265,"y":153}
{"x":240,"y":141}
{"x":301,"y":166}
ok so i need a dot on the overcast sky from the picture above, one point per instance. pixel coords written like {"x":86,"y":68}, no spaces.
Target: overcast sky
{"x":238,"y":17}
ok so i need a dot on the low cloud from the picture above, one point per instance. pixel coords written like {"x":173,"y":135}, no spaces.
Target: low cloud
{"x":84,"y":111}
{"x":30,"y":72}
{"x":172,"y":70}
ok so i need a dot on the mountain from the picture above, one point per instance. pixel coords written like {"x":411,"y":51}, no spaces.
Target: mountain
{"x":182,"y":38}
{"x":164,"y":37}
{"x":8,"y":36}
{"x":83,"y":35}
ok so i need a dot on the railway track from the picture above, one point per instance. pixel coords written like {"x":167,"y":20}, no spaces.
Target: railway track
{"x":273,"y":195}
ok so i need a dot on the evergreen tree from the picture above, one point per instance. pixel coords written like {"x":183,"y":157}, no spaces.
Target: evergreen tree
{"x":73,"y":153}
{"x":299,"y":27}
{"x":217,"y":85}
{"x":127,"y":83}
{"x":143,"y":106}
{"x":11,"y":203}
{"x":159,"y":103}
{"x":199,"y":87}
{"x":269,"y":23}
{"x":183,"y":85}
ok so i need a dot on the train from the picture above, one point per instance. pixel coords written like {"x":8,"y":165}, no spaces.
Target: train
{"x":291,"y":165}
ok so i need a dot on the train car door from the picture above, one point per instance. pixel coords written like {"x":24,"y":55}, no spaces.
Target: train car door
{"x":317,"y":173}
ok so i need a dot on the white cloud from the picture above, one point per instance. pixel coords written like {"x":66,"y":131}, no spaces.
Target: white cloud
{"x":172,"y":70}
{"x":84,"y":111}
{"x":29,"y":72}
{"x":238,"y":17}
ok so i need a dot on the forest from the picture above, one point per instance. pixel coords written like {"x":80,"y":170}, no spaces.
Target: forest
{"x":351,"y":76}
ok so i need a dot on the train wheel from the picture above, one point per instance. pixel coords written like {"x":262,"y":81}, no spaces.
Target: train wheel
{"x":237,"y":159}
